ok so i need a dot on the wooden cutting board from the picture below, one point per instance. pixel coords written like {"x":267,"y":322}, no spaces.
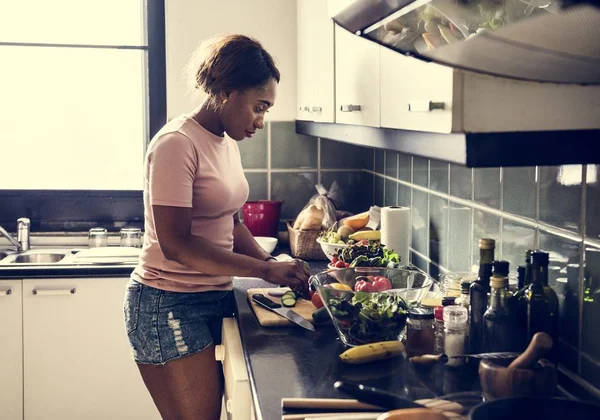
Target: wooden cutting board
{"x":267,"y":318}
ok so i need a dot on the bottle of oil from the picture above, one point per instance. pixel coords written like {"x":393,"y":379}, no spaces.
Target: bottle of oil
{"x":478,"y":294}
{"x":497,"y":325}
{"x":519,"y":304}
{"x":542,"y":302}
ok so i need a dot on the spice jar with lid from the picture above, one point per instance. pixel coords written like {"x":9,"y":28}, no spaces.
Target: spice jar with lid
{"x":419,"y":332}
{"x":455,"y":332}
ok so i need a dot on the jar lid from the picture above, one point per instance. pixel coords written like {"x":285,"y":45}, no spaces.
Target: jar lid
{"x":448,"y":300}
{"x":420,"y":313}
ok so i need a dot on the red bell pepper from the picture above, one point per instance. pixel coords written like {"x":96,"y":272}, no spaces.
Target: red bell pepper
{"x":363,"y":286}
{"x":380,"y":284}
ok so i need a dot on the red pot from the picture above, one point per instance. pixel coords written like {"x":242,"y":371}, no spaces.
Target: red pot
{"x":262,"y":217}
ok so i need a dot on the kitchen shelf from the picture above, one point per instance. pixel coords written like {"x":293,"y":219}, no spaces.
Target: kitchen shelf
{"x":474,"y":150}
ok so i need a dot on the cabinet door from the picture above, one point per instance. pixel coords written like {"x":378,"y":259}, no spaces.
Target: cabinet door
{"x":323,"y":58}
{"x":238,"y":397}
{"x":77,"y":361}
{"x":11,"y":350}
{"x":415,"y":95}
{"x":356,"y":79}
{"x":305,"y":73}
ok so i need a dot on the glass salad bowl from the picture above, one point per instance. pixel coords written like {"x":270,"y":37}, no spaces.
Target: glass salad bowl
{"x":362,"y":317}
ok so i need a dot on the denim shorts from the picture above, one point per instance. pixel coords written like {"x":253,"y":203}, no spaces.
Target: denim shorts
{"x":164,"y":326}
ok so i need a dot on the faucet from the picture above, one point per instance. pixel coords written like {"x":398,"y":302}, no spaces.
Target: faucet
{"x":22,"y":241}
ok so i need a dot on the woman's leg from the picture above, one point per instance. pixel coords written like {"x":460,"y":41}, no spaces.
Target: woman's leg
{"x":189,"y":388}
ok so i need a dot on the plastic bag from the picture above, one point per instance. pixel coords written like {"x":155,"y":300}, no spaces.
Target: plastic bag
{"x":320,"y":208}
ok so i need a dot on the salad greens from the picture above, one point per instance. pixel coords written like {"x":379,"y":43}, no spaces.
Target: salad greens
{"x":370,"y":317}
{"x":370,"y":254}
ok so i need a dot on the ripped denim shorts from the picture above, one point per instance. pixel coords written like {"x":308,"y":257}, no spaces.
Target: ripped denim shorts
{"x":164,"y":326}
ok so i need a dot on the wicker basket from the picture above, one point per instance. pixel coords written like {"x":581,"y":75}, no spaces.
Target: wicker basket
{"x":303,"y":244}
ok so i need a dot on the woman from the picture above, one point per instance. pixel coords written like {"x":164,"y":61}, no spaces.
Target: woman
{"x":194,"y":242}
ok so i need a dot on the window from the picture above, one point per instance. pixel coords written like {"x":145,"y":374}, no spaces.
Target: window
{"x":76,"y":89}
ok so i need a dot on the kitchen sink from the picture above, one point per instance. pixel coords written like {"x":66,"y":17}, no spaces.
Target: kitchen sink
{"x":34,"y":257}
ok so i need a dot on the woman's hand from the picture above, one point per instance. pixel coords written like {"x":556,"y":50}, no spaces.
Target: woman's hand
{"x":289,"y":273}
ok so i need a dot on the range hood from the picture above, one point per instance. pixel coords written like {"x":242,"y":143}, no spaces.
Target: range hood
{"x":536,"y":40}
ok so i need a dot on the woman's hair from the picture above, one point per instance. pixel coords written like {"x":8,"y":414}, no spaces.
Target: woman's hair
{"x":230,"y":62}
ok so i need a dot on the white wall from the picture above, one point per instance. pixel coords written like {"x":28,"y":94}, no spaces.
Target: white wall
{"x":272,"y":22}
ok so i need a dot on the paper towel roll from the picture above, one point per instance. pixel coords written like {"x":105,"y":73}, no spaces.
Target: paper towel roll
{"x":396,"y":231}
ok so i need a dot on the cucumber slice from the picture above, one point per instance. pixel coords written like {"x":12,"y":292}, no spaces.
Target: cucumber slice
{"x":289,"y":299}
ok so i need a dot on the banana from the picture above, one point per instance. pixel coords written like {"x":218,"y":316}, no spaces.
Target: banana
{"x":367,"y":353}
{"x":374,"y":235}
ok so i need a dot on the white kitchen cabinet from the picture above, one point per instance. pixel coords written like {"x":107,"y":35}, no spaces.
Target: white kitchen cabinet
{"x":315,"y":34}
{"x":421,"y":96}
{"x":238,"y":402}
{"x":357,"y":79}
{"x":11,"y":351}
{"x":77,"y":362}
{"x":409,"y":86}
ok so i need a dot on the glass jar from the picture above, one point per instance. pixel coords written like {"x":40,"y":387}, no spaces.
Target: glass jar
{"x":131,"y":237}
{"x":438,"y":330}
{"x":450,"y":282}
{"x":97,"y":237}
{"x":419,"y":332}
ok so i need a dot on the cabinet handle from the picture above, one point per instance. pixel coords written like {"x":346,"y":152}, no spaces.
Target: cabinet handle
{"x":60,"y":292}
{"x":317,"y":109}
{"x":350,"y":108}
{"x":425,"y":106}
{"x":220,"y":353}
{"x":5,"y":292}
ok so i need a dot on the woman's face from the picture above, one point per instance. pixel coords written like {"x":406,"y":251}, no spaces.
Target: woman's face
{"x":244,"y":112}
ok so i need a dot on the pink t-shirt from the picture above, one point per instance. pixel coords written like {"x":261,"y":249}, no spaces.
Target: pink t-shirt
{"x":188,"y":166}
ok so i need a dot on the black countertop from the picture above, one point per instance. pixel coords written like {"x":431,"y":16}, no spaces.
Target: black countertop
{"x":290,"y":362}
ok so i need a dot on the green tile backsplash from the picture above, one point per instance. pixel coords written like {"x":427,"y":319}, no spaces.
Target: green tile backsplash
{"x":550,"y":208}
{"x":283,"y":165}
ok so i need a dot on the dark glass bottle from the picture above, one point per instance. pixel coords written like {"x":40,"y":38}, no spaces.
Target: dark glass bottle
{"x":478,"y":294}
{"x":519,"y":305}
{"x":497,"y":320}
{"x":542,"y":302}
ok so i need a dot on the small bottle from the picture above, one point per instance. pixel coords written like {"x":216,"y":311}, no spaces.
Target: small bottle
{"x":478,"y":294}
{"x":455,"y":333}
{"x":542,"y":302}
{"x":419,"y":332}
{"x":438,"y":330}
{"x":497,"y":326}
{"x":519,"y":304}
{"x":464,"y":298}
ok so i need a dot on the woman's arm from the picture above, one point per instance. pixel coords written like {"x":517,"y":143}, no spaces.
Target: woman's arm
{"x":244,"y":243}
{"x":173,"y":231}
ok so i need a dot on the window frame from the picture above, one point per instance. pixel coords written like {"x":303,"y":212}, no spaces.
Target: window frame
{"x":43,"y":206}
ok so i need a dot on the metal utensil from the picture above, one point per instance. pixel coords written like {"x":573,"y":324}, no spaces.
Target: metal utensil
{"x":287,"y":313}
{"x":375,"y":396}
{"x":428,"y":359}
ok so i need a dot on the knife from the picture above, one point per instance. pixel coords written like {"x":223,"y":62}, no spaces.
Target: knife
{"x":267,"y":303}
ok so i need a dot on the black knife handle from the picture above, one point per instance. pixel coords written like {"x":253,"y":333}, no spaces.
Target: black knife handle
{"x":265,"y":301}
{"x":371,"y":395}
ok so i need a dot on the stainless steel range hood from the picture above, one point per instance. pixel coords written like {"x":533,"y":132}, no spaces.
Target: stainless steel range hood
{"x":538,"y":40}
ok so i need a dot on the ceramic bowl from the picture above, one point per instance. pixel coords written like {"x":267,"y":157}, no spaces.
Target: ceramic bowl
{"x":266,"y":243}
{"x":331,"y":250}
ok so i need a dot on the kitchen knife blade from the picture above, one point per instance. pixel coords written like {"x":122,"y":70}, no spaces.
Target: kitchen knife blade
{"x":375,"y":396}
{"x":287,"y":313}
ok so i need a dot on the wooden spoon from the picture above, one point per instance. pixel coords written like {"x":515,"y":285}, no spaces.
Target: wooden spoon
{"x":540,"y":344}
